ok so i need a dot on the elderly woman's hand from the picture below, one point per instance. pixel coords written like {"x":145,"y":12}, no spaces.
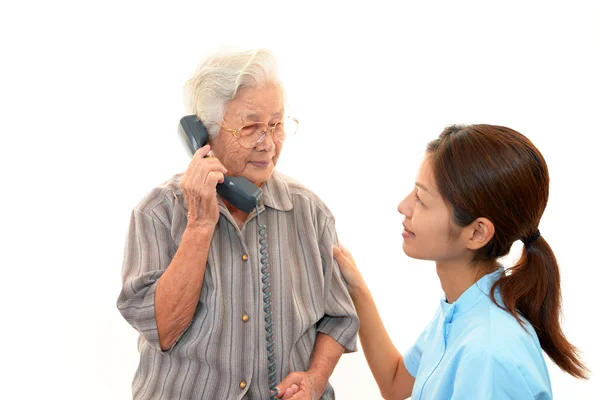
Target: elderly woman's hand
{"x":350,"y":271}
{"x":199,"y":188}
{"x":299,"y":386}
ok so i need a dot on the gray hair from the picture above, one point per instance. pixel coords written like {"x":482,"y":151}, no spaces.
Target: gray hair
{"x":220,"y":76}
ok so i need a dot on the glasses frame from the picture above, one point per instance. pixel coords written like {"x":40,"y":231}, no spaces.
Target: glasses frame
{"x":270,"y":130}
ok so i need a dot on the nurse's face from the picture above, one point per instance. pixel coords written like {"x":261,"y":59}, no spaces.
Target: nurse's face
{"x":429,"y":233}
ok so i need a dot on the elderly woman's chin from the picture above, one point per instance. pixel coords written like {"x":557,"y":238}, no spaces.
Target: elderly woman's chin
{"x":259,"y":173}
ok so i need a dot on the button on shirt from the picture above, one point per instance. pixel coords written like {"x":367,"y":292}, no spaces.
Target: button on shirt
{"x":475,"y":350}
{"x":222,"y":353}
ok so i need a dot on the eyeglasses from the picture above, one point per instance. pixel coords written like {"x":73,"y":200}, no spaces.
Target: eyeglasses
{"x":254,"y":133}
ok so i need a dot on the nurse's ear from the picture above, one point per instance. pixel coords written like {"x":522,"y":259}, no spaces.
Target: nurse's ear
{"x":479,"y":233}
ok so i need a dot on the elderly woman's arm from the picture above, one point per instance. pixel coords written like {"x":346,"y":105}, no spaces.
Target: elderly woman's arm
{"x":159,"y":297}
{"x":312,"y":383}
{"x":178,"y":290}
{"x":153,"y":279}
{"x":326,"y":354}
{"x":160,"y":294}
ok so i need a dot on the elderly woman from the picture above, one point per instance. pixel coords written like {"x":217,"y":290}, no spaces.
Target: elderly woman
{"x":191,"y":274}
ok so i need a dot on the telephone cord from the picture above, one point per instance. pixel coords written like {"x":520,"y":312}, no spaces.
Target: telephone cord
{"x":266,"y":289}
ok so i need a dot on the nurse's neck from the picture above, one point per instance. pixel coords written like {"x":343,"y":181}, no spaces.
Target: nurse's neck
{"x":456,"y":276}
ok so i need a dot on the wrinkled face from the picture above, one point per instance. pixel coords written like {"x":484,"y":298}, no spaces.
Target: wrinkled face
{"x":260,"y":104}
{"x":429,"y":232}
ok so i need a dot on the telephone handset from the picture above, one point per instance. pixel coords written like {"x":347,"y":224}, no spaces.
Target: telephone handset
{"x":237,"y":190}
{"x":244,"y":195}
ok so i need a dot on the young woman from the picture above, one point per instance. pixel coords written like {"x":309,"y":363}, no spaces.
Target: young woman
{"x":480,"y":189}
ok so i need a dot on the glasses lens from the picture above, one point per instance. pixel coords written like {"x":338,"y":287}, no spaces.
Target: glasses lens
{"x":285,"y":128}
{"x":290,"y":126}
{"x":251,"y":134}
{"x":254,"y":133}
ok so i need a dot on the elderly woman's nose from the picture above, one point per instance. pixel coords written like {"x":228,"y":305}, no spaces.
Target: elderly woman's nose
{"x":267,"y":144}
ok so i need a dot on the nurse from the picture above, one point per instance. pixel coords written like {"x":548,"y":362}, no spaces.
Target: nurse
{"x":480,"y":188}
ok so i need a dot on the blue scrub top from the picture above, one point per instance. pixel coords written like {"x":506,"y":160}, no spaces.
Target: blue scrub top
{"x":473,"y":349}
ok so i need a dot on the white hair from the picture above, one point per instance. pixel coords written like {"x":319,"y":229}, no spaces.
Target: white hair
{"x":220,"y":76}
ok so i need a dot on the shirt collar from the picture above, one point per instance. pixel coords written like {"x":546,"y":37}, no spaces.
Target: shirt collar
{"x":276,"y":193}
{"x":471,"y":297}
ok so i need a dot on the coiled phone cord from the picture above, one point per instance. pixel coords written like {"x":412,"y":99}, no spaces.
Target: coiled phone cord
{"x":266,"y":289}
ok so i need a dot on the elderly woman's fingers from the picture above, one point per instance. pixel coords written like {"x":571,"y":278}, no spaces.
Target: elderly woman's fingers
{"x":203,"y":165}
{"x":198,"y":186}
{"x":196,"y":176}
{"x":212,"y":179}
{"x":213,"y":164}
{"x":289,"y":392}
{"x":289,"y":385}
{"x":202,"y":151}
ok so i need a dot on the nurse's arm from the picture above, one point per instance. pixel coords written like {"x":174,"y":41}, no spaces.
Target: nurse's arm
{"x":385,"y":361}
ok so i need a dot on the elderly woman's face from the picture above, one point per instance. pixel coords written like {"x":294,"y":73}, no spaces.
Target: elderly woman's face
{"x":263,"y":104}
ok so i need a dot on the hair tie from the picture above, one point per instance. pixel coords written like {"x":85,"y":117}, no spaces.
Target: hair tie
{"x":530,"y":239}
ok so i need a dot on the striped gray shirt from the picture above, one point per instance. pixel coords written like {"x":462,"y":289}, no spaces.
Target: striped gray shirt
{"x":222,"y":354}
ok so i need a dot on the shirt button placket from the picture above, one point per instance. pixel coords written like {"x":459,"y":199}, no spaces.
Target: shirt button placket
{"x":245,"y":319}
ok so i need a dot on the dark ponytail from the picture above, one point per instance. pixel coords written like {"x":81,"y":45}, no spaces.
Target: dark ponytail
{"x":532,"y":289}
{"x":496,"y":173}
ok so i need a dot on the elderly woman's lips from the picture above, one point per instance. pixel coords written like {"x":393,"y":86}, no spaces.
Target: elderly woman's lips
{"x":260,"y":164}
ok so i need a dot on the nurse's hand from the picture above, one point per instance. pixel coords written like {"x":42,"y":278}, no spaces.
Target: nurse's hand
{"x":350,"y":271}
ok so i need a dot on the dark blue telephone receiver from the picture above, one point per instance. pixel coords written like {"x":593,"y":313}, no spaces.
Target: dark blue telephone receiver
{"x":236,"y":190}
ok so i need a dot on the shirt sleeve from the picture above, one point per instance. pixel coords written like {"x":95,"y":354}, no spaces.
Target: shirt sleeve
{"x":340,"y":321}
{"x":146,"y":257}
{"x":481,"y":375}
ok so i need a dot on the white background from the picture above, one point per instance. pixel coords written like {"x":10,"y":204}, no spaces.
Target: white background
{"x":91,"y":93}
